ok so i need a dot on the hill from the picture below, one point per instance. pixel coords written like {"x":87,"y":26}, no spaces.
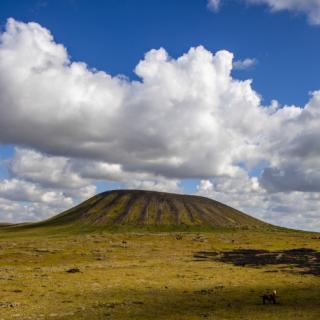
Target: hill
{"x":150,"y":208}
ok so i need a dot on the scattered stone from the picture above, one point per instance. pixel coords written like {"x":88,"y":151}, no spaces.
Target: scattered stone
{"x":137,"y":302}
{"x":205,"y":291}
{"x":199,"y":238}
{"x":204,"y":315}
{"x":100,"y":257}
{"x":124,"y":244}
{"x":220,"y":286}
{"x":73,"y":270}
{"x":6,"y":304}
{"x":42,"y":250}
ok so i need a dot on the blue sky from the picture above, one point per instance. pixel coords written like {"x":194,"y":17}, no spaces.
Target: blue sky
{"x":113,"y":36}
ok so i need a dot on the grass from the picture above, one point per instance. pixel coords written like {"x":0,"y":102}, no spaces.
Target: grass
{"x":146,"y":273}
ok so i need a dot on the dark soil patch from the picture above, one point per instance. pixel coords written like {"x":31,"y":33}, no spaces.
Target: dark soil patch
{"x":304,"y":258}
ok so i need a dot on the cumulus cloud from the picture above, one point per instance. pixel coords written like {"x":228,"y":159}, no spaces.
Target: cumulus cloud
{"x":48,"y":171}
{"x":293,"y":154}
{"x":13,"y":211}
{"x":40,"y":182}
{"x":311,"y":8}
{"x":291,"y":176}
{"x":299,"y":210}
{"x":19,"y":190}
{"x":244,"y":64}
{"x":64,"y":108}
{"x":22,"y":201}
{"x":185,"y":117}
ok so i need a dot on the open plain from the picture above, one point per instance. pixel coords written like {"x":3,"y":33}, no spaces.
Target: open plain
{"x":151,"y":273}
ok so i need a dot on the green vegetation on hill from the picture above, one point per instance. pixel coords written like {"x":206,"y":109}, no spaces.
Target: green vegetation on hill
{"x":148,"y":208}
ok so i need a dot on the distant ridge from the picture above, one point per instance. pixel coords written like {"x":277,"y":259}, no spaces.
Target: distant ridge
{"x":150,"y":208}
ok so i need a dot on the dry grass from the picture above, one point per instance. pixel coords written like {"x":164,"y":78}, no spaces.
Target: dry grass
{"x":149,"y":276}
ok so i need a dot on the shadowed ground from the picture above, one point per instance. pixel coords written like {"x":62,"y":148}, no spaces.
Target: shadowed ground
{"x":307,"y":260}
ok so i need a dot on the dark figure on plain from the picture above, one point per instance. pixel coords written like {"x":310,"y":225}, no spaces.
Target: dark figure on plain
{"x":269,"y":297}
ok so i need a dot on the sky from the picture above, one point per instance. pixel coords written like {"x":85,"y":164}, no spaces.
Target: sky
{"x":213,"y":98}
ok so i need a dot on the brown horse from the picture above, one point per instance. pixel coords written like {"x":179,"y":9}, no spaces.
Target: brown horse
{"x":269,"y":297}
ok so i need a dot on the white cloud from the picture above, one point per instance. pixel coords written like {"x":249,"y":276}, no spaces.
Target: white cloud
{"x":22,"y":201}
{"x":311,"y":8}
{"x":244,"y":64}
{"x":132,"y":180}
{"x":13,"y":211}
{"x":58,"y":107}
{"x":18,"y":190}
{"x":49,"y":171}
{"x":164,"y":185}
{"x":298,"y":210}
{"x":214,"y":5}
{"x":40,"y":182}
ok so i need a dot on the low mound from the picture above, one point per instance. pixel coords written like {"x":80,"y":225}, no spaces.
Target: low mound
{"x":147,"y":208}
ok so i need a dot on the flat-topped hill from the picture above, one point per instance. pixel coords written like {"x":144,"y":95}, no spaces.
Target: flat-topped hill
{"x":148,"y":208}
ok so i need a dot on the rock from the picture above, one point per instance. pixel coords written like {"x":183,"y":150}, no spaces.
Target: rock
{"x":199,"y":238}
{"x":73,"y":270}
{"x":204,"y":315}
{"x":220,"y":286}
{"x":6,"y":304}
{"x":205,"y":291}
{"x":137,"y":302}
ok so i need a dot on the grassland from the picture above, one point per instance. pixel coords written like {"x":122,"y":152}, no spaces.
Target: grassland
{"x":146,"y":274}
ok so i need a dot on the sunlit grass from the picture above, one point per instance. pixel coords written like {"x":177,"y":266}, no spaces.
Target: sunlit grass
{"x":135,"y":273}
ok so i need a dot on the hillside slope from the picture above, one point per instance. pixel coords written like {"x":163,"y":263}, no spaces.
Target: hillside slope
{"x":137,"y":207}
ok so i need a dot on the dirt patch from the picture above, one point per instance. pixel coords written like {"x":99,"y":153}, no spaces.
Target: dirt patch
{"x":306,"y":259}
